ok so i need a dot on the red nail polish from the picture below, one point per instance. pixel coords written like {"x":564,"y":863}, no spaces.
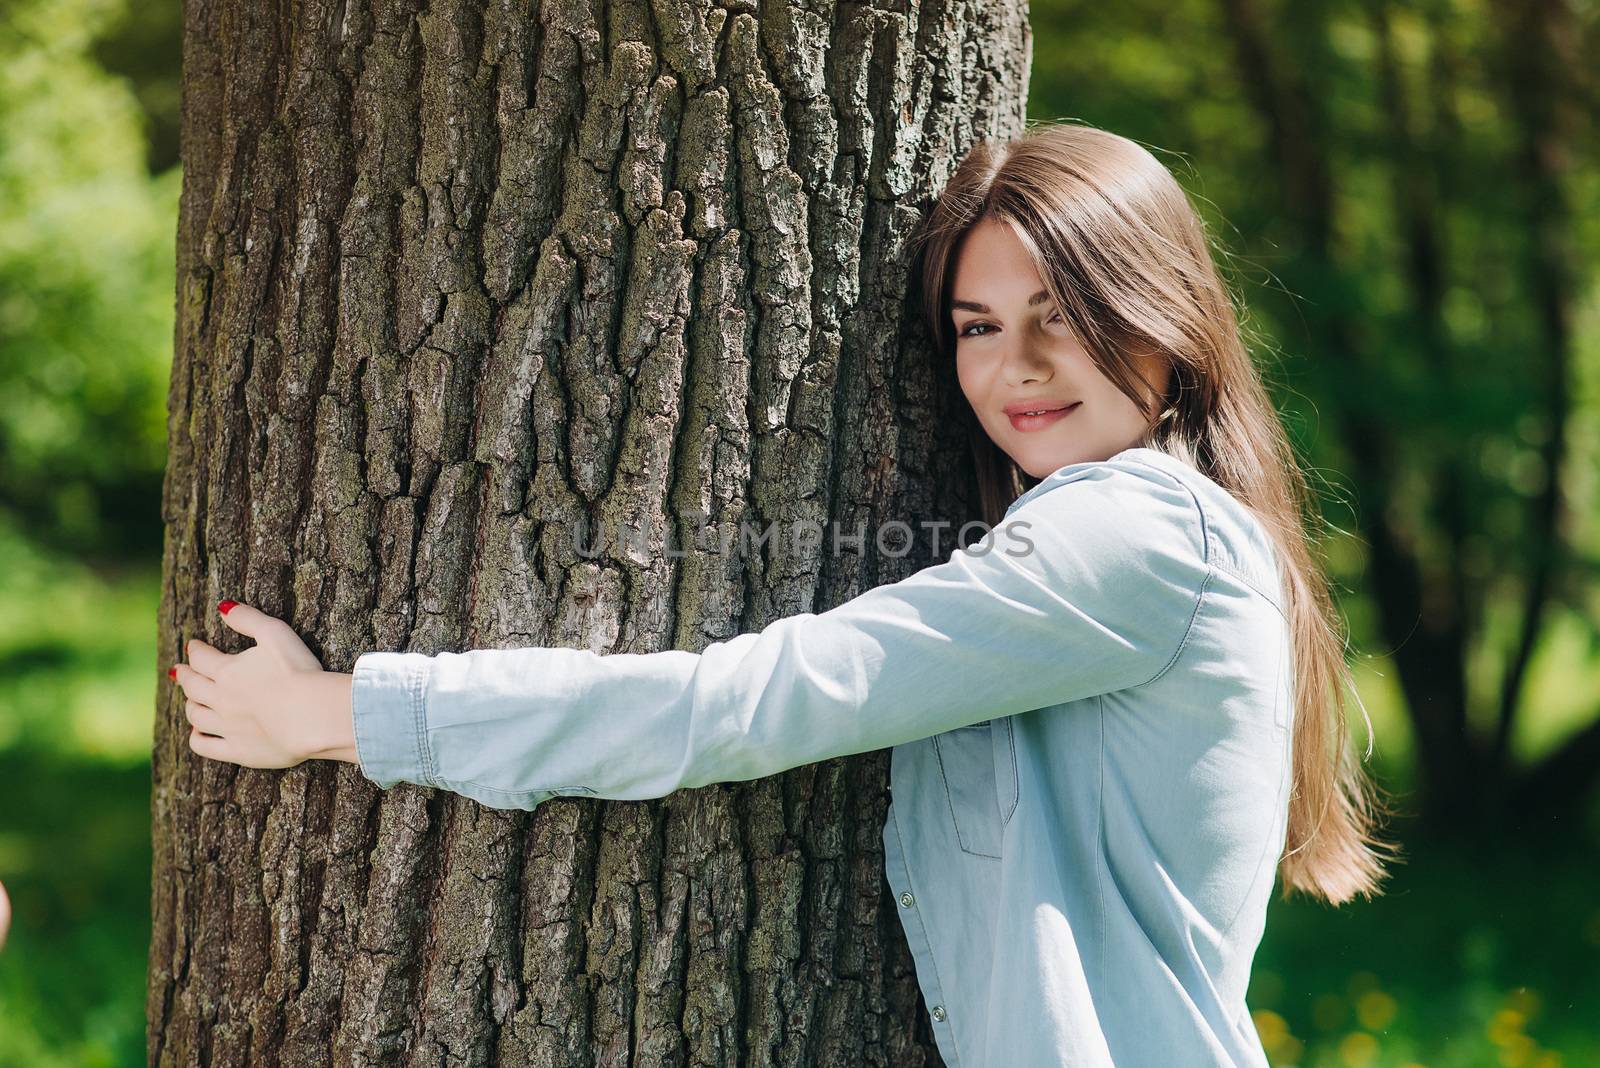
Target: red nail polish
{"x":223,"y":606}
{"x":172,"y":672}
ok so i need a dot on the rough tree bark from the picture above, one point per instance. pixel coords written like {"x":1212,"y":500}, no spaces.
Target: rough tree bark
{"x":454,"y":281}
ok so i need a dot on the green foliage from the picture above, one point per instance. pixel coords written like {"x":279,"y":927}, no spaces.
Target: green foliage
{"x":78,"y":674}
{"x":86,"y":284}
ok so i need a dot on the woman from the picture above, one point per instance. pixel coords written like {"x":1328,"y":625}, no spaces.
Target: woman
{"x":1112,"y":723}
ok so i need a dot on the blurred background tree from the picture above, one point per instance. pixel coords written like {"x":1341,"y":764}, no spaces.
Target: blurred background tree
{"x":1406,"y":195}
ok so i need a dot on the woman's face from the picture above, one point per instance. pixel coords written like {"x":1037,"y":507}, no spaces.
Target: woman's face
{"x":1015,"y":353}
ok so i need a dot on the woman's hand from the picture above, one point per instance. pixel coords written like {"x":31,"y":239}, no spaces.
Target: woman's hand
{"x":271,"y":706}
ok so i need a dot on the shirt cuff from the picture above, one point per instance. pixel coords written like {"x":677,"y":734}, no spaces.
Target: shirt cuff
{"x":388,"y":704}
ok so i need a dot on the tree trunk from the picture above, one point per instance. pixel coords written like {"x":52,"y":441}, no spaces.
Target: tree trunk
{"x":455,"y":282}
{"x":1545,"y":67}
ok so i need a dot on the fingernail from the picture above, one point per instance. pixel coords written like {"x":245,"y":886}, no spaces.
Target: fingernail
{"x":223,"y":606}
{"x":172,"y":672}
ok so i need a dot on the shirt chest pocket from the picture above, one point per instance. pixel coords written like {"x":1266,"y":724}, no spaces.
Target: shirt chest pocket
{"x":978,"y":765}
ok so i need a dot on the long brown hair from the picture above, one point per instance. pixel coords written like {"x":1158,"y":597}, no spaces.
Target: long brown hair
{"x":1125,"y":256}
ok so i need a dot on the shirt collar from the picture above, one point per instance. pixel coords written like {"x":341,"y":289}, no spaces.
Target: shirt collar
{"x":1068,"y":472}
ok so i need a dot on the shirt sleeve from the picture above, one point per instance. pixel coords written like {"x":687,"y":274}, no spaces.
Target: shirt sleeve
{"x":1086,"y":588}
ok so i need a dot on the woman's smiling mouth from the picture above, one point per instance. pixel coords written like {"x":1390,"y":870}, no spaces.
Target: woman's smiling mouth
{"x":1023,"y":420}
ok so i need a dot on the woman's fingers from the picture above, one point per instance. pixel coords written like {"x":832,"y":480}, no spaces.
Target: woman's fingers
{"x":203,"y":717}
{"x":207,"y":746}
{"x":195,"y":685}
{"x":252,"y":622}
{"x":285,"y":643}
{"x":205,"y":658}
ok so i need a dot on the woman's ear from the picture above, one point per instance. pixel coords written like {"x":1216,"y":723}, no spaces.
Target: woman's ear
{"x":1159,"y":375}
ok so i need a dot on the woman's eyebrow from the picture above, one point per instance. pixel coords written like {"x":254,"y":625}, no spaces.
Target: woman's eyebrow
{"x":983,"y":309}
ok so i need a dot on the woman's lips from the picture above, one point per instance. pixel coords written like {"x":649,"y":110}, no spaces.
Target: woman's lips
{"x":1039,"y":422}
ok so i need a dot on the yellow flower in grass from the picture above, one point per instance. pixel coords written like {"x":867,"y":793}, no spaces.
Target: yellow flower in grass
{"x":1518,"y":1052}
{"x":1358,"y":1050}
{"x":1376,"y":1010}
{"x":1270,"y":1026}
{"x":1280,"y":1044}
{"x":1505,"y":1027}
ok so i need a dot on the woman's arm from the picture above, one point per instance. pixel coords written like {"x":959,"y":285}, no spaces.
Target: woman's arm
{"x":1091,"y":590}
{"x":1090,"y":587}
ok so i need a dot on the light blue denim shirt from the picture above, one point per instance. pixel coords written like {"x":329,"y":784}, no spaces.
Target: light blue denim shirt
{"x":1090,"y":720}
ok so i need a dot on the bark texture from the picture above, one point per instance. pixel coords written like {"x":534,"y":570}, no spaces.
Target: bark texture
{"x":455,"y":280}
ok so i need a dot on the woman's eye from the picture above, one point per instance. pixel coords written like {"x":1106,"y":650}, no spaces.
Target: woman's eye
{"x":967,"y":331}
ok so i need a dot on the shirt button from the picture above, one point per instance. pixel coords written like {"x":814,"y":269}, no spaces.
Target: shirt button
{"x":907,"y":900}
{"x":937,"y":1012}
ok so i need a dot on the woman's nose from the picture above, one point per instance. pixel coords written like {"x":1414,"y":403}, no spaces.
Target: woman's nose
{"x":1023,"y":364}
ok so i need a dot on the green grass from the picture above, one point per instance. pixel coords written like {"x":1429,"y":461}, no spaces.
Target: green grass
{"x":1477,"y":954}
{"x":75,"y":855}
